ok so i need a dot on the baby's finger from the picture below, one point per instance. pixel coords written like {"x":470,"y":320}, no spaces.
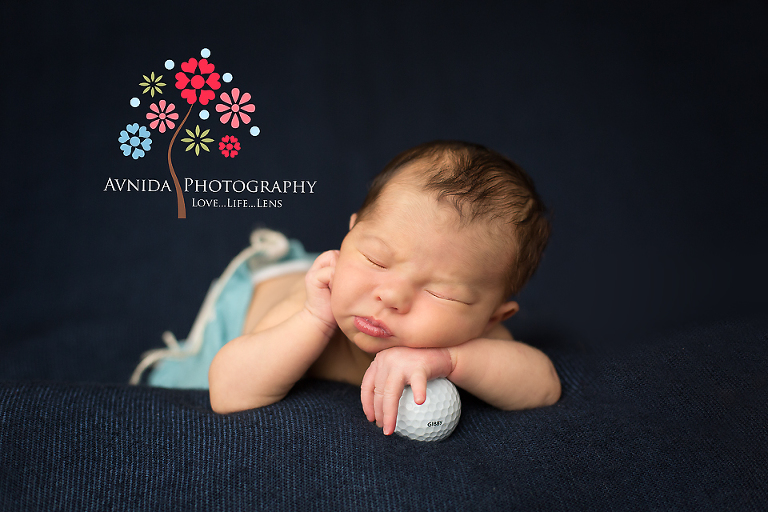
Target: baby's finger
{"x":366,"y":392}
{"x":379,"y":394}
{"x":391,"y":401}
{"x":324,"y":276}
{"x":419,"y":388}
{"x":377,"y":407}
{"x":326,"y":259}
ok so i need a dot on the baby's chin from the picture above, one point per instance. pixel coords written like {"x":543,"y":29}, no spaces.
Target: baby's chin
{"x":373,"y":346}
{"x":368,"y":344}
{"x":365,"y":343}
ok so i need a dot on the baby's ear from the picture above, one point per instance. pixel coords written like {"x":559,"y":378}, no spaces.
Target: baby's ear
{"x":505,"y":310}
{"x":495,"y":329}
{"x":352,"y":220}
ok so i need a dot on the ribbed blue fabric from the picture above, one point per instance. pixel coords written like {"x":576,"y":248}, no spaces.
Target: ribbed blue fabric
{"x":679,"y":424}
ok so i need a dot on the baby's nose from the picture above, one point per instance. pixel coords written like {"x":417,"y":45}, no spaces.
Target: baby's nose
{"x":395,"y":294}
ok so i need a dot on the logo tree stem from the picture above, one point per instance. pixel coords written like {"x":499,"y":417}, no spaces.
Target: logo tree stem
{"x":179,"y":194}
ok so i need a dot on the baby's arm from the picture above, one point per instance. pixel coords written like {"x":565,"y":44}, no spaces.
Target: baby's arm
{"x":261,"y":367}
{"x":505,"y":373}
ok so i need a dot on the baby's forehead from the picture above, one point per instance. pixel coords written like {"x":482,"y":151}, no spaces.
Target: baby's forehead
{"x":414,"y":210}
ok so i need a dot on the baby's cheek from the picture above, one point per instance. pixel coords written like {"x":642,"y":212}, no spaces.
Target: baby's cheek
{"x":455,"y":332}
{"x":336,"y":303}
{"x":439,"y":334}
{"x":342,"y":296}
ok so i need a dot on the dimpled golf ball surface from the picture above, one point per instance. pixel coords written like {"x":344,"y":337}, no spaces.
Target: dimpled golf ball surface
{"x":433,"y":420}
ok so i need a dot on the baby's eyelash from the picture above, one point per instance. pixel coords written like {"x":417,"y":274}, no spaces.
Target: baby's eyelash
{"x":443,"y":297}
{"x":377,"y":264}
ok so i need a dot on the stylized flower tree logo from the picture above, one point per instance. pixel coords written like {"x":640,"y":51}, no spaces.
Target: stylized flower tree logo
{"x":197,"y":82}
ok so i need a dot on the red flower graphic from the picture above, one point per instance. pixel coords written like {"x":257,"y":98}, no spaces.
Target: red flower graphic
{"x":202,"y":74}
{"x":235,"y":108}
{"x":229,"y":146}
{"x":162,"y":116}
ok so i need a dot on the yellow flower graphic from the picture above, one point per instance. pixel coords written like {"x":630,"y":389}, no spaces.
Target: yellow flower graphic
{"x":152,"y":84}
{"x":197,"y":140}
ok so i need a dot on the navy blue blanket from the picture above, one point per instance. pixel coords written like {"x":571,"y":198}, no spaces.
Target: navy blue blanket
{"x":676,"y":425}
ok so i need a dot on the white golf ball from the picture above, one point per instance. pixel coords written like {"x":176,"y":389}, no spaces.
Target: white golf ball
{"x":435,"y":419}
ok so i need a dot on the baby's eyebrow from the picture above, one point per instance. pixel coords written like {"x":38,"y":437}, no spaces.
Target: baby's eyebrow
{"x":375,"y":238}
{"x":457,"y":287}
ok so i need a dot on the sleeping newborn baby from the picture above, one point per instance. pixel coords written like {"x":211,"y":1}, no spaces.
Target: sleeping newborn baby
{"x":448,"y":233}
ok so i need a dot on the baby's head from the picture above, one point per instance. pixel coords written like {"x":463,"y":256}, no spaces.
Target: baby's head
{"x":448,"y":231}
{"x":486,"y":189}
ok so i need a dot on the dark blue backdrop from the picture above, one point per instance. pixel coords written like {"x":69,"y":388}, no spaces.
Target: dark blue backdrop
{"x":643,"y":124}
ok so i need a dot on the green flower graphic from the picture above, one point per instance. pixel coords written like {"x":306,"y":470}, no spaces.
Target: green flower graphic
{"x":152,"y":84}
{"x":197,"y":140}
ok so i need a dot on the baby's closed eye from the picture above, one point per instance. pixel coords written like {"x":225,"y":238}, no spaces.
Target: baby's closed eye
{"x":374,"y":262}
{"x":445,"y":297}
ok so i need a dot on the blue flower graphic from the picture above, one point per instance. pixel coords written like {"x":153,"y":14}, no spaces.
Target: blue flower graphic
{"x":135,"y":144}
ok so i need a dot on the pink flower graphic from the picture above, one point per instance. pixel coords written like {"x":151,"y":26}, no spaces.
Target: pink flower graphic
{"x":197,"y":80}
{"x":163,"y":117}
{"x":235,"y":108}
{"x":229,"y":146}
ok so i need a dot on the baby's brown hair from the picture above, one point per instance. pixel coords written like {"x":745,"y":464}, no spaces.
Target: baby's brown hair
{"x":481,"y":184}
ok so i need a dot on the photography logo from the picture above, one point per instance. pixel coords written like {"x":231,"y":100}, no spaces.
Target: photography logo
{"x":197,"y":87}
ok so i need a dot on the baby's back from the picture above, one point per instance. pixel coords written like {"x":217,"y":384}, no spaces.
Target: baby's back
{"x":274,"y":300}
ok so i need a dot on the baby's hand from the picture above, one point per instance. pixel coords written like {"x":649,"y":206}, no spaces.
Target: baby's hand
{"x":318,"y":282}
{"x":391,"y":371}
